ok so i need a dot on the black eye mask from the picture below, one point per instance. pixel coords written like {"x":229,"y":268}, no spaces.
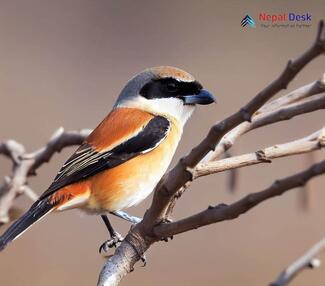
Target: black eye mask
{"x":169,"y":87}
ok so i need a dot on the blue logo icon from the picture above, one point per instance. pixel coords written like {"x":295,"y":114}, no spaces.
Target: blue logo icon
{"x":248,"y":21}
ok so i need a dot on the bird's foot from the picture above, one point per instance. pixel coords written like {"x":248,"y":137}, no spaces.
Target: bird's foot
{"x":144,"y":260}
{"x":113,"y":242}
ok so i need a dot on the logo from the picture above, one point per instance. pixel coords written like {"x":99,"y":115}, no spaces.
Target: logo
{"x":248,"y":21}
{"x":278,"y":20}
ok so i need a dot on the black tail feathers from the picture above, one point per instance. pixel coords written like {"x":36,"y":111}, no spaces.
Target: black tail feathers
{"x":35,"y":213}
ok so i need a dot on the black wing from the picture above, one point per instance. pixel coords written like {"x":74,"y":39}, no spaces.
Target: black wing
{"x":86,"y":161}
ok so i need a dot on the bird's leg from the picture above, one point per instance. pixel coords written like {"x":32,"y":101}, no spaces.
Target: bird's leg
{"x":115,"y":236}
{"x":127,"y":217}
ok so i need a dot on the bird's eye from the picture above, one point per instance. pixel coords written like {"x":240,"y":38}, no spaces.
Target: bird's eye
{"x":172,"y":86}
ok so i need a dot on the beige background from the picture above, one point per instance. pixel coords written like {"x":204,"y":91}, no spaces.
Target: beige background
{"x":62,"y":63}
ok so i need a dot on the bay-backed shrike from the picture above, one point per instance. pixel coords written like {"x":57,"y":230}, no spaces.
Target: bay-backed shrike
{"x":123,"y":159}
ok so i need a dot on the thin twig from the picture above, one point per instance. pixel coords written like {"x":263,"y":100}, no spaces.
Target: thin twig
{"x":310,"y":143}
{"x":300,"y":93}
{"x":306,"y":261}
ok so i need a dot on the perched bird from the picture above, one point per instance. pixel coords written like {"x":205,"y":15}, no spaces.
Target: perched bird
{"x":123,"y":159}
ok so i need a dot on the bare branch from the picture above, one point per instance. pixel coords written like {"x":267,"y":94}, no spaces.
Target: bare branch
{"x":271,"y":117}
{"x":313,"y":142}
{"x":295,"y":96}
{"x":303,"y":92}
{"x":26,"y":190}
{"x":25,"y":165}
{"x":59,"y":140}
{"x":12,"y":149}
{"x":301,"y":107}
{"x":121,"y":263}
{"x":307,"y":261}
{"x":224,"y":212}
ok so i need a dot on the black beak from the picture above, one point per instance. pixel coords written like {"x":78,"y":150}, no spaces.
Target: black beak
{"x":203,"y":97}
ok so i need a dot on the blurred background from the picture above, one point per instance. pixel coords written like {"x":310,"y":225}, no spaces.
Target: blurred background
{"x":63,"y":63}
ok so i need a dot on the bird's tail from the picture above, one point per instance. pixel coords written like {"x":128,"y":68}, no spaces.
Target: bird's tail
{"x":37,"y":211}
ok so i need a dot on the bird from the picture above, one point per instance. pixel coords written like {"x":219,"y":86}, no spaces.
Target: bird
{"x":120,"y":163}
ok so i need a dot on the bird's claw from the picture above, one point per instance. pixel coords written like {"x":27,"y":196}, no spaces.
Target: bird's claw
{"x":113,"y":242}
{"x":144,"y":260}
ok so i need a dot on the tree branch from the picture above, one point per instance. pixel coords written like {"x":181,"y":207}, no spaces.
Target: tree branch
{"x":303,"y":92}
{"x":310,"y":143}
{"x":25,"y":165}
{"x":224,"y":212}
{"x":287,"y":112}
{"x":57,"y":142}
{"x":270,"y":116}
{"x":307,"y":261}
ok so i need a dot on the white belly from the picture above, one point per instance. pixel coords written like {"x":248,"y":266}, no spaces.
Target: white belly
{"x":145,"y":185}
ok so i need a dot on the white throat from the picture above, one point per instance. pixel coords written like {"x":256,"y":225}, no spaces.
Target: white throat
{"x":172,"y":108}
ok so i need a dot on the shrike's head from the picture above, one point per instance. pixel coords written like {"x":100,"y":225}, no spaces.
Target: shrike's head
{"x":166,"y":91}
